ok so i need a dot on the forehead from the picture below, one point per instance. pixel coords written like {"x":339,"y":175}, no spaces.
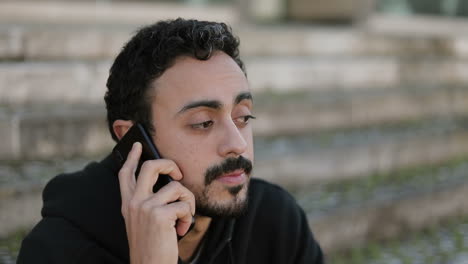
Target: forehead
{"x":189,"y":79}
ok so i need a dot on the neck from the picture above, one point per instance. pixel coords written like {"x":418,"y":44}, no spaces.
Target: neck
{"x":189,"y":244}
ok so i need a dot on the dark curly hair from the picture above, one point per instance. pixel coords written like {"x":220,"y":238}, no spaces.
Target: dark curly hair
{"x":149,"y":53}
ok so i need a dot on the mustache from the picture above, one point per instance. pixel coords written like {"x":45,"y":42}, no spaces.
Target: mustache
{"x":227,"y":166}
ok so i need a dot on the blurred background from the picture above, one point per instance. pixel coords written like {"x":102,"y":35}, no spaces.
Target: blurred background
{"x":362,"y":110}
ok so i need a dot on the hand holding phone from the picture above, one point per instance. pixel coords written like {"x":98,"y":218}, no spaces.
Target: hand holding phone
{"x":137,"y":133}
{"x":155,"y":218}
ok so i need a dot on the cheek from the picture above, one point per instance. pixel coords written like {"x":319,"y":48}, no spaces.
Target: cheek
{"x":190,"y":158}
{"x":250,"y":147}
{"x":191,"y":163}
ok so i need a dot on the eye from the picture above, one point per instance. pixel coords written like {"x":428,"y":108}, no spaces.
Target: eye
{"x":202,"y":125}
{"x":244,"y":120}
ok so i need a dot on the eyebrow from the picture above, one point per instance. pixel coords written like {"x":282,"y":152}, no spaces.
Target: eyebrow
{"x":214,"y":104}
{"x":243,"y":96}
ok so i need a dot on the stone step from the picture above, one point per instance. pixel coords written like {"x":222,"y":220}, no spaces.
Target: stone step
{"x":21,"y":185}
{"x":50,"y":130}
{"x":47,"y":42}
{"x":443,"y":243}
{"x":310,"y":40}
{"x":349,"y":214}
{"x":286,"y":74}
{"x":48,"y":82}
{"x":47,"y":132}
{"x":84,"y":82}
{"x":352,"y":227}
{"x":294,"y":113}
{"x":311,"y":156}
{"x":78,"y":42}
{"x":108,"y":13}
{"x":347,"y":154}
{"x":417,"y":25}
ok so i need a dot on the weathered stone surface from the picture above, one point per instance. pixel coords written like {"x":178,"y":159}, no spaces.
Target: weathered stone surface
{"x":330,"y":164}
{"x":45,"y":129}
{"x":19,"y":209}
{"x":9,"y":134}
{"x":353,"y":109}
{"x":68,"y":134}
{"x":22,"y":83}
{"x":460,"y":47}
{"x":266,"y":10}
{"x":407,"y":105}
{"x":352,"y":227}
{"x":289,"y":74}
{"x":85,"y":82}
{"x":64,"y":132}
{"x":103,"y":42}
{"x":434,"y":71}
{"x":82,"y":43}
{"x":429,"y":26}
{"x":286,"y":40}
{"x":327,"y":9}
{"x":111,"y":13}
{"x":11,"y":43}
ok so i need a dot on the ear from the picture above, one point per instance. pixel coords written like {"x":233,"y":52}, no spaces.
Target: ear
{"x":121,"y":127}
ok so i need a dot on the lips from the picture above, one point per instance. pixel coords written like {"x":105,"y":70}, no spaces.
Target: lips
{"x":228,"y":171}
{"x":236,"y":177}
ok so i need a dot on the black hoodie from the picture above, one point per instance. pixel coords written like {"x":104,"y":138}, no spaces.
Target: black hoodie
{"x":82,"y":223}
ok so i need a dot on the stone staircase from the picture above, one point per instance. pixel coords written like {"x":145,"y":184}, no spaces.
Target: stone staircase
{"x":336,"y":106}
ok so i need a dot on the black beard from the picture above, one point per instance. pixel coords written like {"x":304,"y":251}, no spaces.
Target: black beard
{"x":236,"y":209}
{"x":234,"y":190}
{"x":229,"y":165}
{"x":239,"y":204}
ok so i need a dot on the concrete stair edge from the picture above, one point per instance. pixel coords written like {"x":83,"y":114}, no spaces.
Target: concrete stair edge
{"x":115,"y":13}
{"x":85,"y":81}
{"x":280,"y":114}
{"x":37,"y":42}
{"x":351,"y":162}
{"x":30,"y":138}
{"x":352,"y":227}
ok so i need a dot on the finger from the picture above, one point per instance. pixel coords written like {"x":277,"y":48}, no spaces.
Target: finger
{"x":127,"y":172}
{"x":175,"y":191}
{"x":182,"y":216}
{"x":149,"y":174}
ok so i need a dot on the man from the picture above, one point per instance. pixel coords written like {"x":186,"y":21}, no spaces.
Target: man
{"x":184,"y":82}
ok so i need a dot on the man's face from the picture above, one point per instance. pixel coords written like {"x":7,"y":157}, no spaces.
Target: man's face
{"x":201,"y":113}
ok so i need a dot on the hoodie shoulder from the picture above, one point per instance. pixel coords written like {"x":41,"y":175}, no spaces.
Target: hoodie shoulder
{"x":276,"y":227}
{"x":83,"y":207}
{"x":53,"y":240}
{"x":70,"y":195}
{"x":60,"y":185}
{"x":262,"y":192}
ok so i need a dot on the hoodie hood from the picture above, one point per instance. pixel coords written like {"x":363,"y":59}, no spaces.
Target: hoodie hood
{"x":90,"y":200}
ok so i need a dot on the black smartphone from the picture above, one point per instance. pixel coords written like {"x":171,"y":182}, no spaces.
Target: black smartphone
{"x":137,"y":133}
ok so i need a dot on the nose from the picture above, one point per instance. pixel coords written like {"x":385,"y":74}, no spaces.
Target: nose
{"x":232,"y":141}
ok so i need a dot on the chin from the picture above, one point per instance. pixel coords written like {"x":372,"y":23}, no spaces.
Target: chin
{"x":231,"y":202}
